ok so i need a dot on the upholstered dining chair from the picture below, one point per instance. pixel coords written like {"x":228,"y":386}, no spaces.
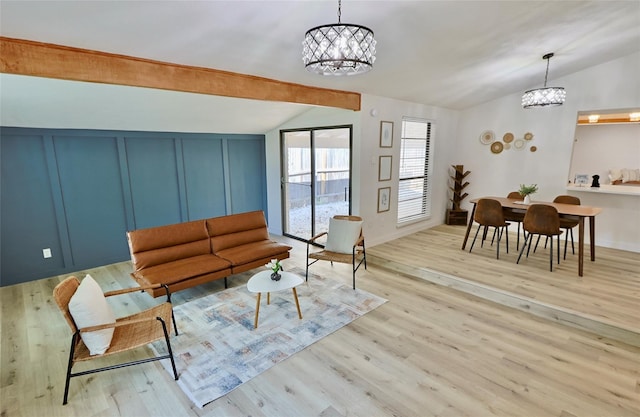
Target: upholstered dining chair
{"x":541,"y":220}
{"x":515,"y":215}
{"x":489,"y":213}
{"x":344,"y":244}
{"x":568,"y":222}
{"x":84,"y":303}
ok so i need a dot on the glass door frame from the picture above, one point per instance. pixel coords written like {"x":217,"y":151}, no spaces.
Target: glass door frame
{"x":284,"y":174}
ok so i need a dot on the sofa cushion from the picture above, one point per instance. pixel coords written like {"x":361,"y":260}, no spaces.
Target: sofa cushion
{"x":89,"y":307}
{"x":159,"y":256}
{"x":182,"y":269}
{"x":236,"y":223}
{"x":237,"y":230}
{"x":249,"y":252}
{"x":163,"y":236}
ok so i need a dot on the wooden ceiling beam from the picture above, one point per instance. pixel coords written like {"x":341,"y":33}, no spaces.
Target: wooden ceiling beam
{"x":23,"y":57}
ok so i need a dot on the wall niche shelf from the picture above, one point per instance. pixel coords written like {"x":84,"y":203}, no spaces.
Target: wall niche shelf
{"x":607,"y":189}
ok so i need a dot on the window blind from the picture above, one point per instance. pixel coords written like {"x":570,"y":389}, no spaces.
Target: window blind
{"x":414,"y":191}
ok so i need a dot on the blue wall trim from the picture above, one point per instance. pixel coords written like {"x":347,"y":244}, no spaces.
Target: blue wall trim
{"x":79,"y":191}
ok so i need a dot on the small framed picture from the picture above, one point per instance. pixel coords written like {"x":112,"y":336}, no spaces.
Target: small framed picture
{"x":386,"y":134}
{"x":384,"y":194}
{"x":581,"y":179}
{"x":384,"y":168}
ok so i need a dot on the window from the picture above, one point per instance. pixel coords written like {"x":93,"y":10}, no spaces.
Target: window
{"x":414,"y":189}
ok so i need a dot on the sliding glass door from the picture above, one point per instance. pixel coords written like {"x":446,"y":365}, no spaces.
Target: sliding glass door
{"x":316,"y":178}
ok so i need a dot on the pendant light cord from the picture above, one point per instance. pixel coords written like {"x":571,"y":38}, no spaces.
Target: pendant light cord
{"x":546,"y":74}
{"x":339,"y":10}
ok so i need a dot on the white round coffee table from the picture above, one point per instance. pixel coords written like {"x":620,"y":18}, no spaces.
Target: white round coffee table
{"x":262,"y":282}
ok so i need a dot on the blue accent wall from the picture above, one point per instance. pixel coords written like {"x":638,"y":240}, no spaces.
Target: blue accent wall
{"x":77,"y":192}
{"x":204,"y":177}
{"x":92,"y":197}
{"x":246,"y":167}
{"x":153,"y":176}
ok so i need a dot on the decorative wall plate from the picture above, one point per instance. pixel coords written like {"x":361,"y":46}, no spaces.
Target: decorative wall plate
{"x":508,"y":137}
{"x":519,"y":144}
{"x":528,"y":136}
{"x":487,"y":137}
{"x":496,"y":147}
{"x":533,"y":148}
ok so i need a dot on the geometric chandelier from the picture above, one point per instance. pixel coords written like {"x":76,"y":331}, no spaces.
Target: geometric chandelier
{"x":544,"y":97}
{"x":339,"y":48}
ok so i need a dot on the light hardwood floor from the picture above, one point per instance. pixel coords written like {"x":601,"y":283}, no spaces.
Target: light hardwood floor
{"x":606,"y":299}
{"x":430,"y":351}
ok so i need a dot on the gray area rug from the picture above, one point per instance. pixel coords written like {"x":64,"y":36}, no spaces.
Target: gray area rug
{"x":218,"y":349}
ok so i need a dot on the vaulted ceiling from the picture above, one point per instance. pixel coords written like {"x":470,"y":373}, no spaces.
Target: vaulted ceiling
{"x":452,"y":54}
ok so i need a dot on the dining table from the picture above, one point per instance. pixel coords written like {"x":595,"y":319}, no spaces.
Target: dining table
{"x":564,"y":210}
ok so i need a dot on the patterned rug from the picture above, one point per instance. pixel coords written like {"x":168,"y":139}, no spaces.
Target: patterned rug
{"x":218,"y":349}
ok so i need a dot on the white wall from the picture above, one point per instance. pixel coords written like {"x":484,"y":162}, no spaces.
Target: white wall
{"x":612,"y":85}
{"x":381,"y":227}
{"x":378,"y":227}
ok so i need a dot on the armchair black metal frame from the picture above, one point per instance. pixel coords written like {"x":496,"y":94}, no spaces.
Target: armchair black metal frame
{"x":353,"y":258}
{"x":130,"y":332}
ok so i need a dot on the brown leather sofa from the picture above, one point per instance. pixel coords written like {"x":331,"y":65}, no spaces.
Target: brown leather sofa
{"x":187,"y":254}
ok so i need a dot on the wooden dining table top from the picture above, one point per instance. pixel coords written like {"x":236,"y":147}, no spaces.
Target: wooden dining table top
{"x":567,"y":209}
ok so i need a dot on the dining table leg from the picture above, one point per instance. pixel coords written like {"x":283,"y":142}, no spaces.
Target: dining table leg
{"x":466,"y":235}
{"x":581,"y":245}
{"x":592,"y":236}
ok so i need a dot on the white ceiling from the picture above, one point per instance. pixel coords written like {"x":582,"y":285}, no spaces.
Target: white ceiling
{"x":452,"y":54}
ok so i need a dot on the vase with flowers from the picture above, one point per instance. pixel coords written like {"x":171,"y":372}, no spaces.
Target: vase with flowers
{"x":526,"y":191}
{"x":275,"y":267}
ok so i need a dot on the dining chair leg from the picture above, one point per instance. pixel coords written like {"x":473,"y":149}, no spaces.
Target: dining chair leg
{"x":536,"y":247}
{"x":502,"y":231}
{"x":566,"y":238}
{"x":506,"y":229}
{"x":551,"y":256}
{"x":524,"y":244}
{"x":474,"y":238}
{"x":558,"y":248}
{"x":484,"y":235}
{"x":573,"y":249}
{"x":530,"y":242}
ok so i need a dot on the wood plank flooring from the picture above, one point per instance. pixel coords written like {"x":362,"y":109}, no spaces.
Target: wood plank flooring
{"x":605,"y":300}
{"x":429,"y":351}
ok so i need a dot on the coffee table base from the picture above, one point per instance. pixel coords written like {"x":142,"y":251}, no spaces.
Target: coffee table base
{"x":262,"y":282}
{"x":295,"y":297}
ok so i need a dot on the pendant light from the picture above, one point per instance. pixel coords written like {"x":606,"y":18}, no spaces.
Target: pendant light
{"x":546,"y":96}
{"x":339,"y":48}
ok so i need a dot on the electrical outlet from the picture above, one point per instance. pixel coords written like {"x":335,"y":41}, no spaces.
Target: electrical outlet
{"x":46,"y":253}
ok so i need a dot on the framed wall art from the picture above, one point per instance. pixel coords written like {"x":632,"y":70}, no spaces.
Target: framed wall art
{"x":384,"y":168}
{"x":581,"y":179}
{"x":386,"y":134}
{"x":384,"y":194}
